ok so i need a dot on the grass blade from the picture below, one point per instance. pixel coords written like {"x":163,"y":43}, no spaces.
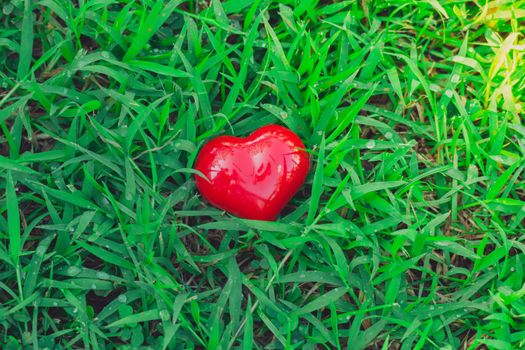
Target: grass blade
{"x":13,"y":220}
{"x":156,"y":18}
{"x":26,"y":46}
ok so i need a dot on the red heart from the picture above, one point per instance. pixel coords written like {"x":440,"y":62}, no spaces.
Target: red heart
{"x":253,"y":177}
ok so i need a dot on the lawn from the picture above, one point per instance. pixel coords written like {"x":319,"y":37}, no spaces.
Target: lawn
{"x":409,"y":232}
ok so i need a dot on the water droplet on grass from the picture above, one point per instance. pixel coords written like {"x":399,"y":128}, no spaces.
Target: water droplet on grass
{"x":370,"y":144}
{"x":73,"y":270}
{"x":122,"y":298}
{"x":40,"y":250}
{"x":449,"y":93}
{"x":164,"y":315}
{"x":388,"y":135}
{"x":8,"y":8}
{"x":102,"y":275}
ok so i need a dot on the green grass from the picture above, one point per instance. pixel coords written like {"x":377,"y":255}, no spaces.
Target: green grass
{"x":409,"y":233}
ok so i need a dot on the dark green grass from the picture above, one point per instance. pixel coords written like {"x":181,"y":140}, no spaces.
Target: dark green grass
{"x":409,"y":233}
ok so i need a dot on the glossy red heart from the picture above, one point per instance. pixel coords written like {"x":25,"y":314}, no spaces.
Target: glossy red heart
{"x":253,"y":177}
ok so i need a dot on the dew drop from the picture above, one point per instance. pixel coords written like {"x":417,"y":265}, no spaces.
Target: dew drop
{"x":449,"y":93}
{"x":102,"y":275}
{"x":302,"y":276}
{"x":93,"y":286}
{"x":164,"y":315}
{"x":73,"y":270}
{"x":104,"y":54}
{"x":455,"y":78}
{"x":75,"y":310}
{"x":122,"y":298}
{"x":8,"y":8}
{"x":388,"y":135}
{"x":40,"y":250}
{"x":370,"y":144}
{"x":55,"y":303}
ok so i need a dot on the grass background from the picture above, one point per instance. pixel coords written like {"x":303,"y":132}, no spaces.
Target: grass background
{"x":409,"y":233}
